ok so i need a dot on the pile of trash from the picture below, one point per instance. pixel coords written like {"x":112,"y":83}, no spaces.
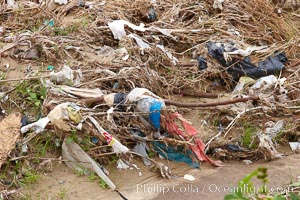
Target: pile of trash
{"x":115,"y":79}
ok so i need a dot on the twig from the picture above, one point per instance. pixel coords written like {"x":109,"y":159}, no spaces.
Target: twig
{"x":237,"y":117}
{"x":228,"y":128}
{"x":22,"y":79}
{"x":200,"y":95}
{"x":43,"y":158}
{"x":294,"y":64}
{"x":296,"y":15}
{"x":104,"y":154}
{"x":233,"y":101}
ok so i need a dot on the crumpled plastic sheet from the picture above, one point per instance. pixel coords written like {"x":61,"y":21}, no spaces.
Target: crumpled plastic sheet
{"x":275,"y":129}
{"x":202,"y":64}
{"x":170,"y":153}
{"x":109,"y":55}
{"x":117,"y":27}
{"x":152,"y":106}
{"x":154,"y":116}
{"x":266,"y":82}
{"x":61,"y":2}
{"x":218,"y":4}
{"x":122,"y":165}
{"x":244,"y":80}
{"x":66,"y":76}
{"x":247,"y":51}
{"x":82,"y":92}
{"x":38,"y":126}
{"x":245,"y":67}
{"x":140,"y":93}
{"x":143,"y":45}
{"x":120,"y":98}
{"x":80,"y":160}
{"x":267,"y":147}
{"x":59,"y":117}
{"x":64,"y":112}
{"x":168,"y":53}
{"x":109,"y":99}
{"x":141,"y":148}
{"x":164,"y":31}
{"x":294,"y":145}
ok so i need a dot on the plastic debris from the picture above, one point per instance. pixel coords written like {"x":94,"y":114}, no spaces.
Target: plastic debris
{"x":266,"y":82}
{"x":189,"y":177}
{"x":24,"y":121}
{"x":294,"y":145}
{"x":244,"y":67}
{"x":152,"y":15}
{"x":186,"y":132}
{"x":120,"y":98}
{"x":177,"y":154}
{"x":66,"y":76}
{"x":51,"y":23}
{"x":164,"y":31}
{"x":202,"y":64}
{"x":140,"y":93}
{"x":143,"y":45}
{"x":122,"y":165}
{"x":82,"y":92}
{"x":108,"y":55}
{"x":218,"y":4}
{"x":24,"y":148}
{"x":79,"y":160}
{"x":232,"y":147}
{"x":154,"y":116}
{"x":266,"y":146}
{"x":117,"y":27}
{"x":274,"y":129}
{"x":243,"y":82}
{"x":11,"y":4}
{"x":152,"y":106}
{"x":39,"y":126}
{"x":61,"y":2}
{"x":113,"y":142}
{"x":50,"y":68}
{"x":168,"y":53}
{"x":94,"y":140}
{"x":247,"y":162}
{"x":100,"y":106}
{"x":246,"y":52}
{"x":109,"y":116}
{"x":147,"y":102}
{"x":61,"y":115}
{"x":141,"y":148}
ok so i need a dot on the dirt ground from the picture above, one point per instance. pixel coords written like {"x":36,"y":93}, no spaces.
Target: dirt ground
{"x":210,"y":182}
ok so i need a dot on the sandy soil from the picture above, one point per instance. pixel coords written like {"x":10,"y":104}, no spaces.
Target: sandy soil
{"x":210,"y":182}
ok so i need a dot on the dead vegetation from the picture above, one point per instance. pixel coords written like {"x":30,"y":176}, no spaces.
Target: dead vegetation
{"x":78,"y":35}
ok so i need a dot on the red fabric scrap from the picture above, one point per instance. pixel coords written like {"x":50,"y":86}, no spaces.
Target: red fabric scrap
{"x":168,"y":121}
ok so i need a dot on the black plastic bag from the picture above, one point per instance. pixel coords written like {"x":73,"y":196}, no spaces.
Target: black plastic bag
{"x":244,"y":67}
